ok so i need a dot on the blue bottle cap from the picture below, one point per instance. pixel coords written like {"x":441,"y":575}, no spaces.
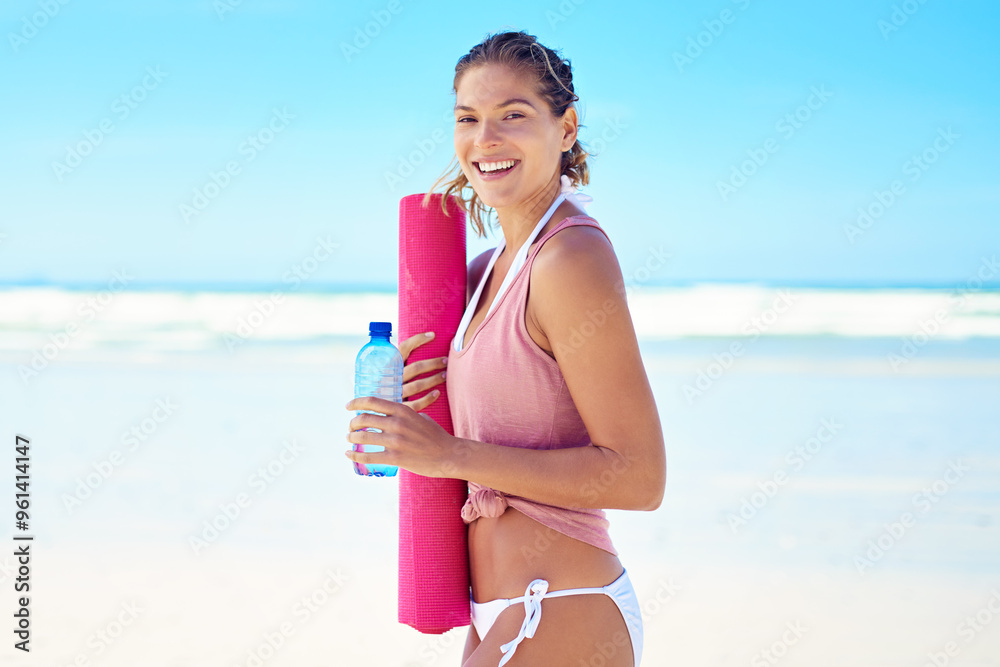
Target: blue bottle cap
{"x":382,"y":328}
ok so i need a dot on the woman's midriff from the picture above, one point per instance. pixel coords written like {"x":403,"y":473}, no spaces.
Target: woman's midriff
{"x":507,"y":552}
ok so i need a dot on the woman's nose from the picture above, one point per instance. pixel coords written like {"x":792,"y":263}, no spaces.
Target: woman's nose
{"x":488,"y":134}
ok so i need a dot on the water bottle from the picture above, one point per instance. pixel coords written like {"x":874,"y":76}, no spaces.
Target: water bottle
{"x":378,"y":371}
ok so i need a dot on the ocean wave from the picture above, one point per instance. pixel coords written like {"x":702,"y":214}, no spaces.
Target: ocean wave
{"x":31,"y":318}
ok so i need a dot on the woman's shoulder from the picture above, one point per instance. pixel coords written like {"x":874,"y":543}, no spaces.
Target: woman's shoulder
{"x":576,"y":253}
{"x":572,"y":236}
{"x":573,"y":273}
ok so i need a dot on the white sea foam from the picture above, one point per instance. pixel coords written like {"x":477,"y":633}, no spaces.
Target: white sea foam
{"x":209,"y":321}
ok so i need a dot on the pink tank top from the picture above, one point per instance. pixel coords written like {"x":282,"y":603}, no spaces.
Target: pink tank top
{"x":505,"y":390}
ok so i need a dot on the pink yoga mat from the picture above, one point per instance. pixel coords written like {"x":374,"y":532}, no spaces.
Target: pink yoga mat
{"x":433,"y":551}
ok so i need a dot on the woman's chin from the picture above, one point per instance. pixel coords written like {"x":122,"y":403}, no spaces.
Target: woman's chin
{"x":489,"y":199}
{"x":495,"y":197}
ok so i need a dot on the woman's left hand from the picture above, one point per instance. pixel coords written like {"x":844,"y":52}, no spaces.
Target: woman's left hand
{"x":412,"y":440}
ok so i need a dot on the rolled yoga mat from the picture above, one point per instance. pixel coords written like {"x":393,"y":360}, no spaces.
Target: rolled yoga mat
{"x":433,"y":546}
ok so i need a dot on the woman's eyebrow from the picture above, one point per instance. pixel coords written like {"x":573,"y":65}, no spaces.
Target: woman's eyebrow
{"x":515,"y":100}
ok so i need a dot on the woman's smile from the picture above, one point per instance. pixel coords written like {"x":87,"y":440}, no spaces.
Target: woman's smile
{"x":492,"y":171}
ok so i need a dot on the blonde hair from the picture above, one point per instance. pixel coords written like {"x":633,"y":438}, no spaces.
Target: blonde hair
{"x":554,"y":84}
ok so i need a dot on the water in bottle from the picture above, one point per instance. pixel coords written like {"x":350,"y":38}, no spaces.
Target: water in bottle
{"x":378,"y":371}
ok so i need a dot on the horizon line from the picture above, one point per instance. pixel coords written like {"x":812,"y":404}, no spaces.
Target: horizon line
{"x":384,"y":287}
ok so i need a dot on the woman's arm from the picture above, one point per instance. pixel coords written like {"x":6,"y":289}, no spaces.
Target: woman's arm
{"x":578,"y":295}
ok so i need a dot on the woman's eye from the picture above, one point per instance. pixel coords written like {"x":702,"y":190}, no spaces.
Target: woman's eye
{"x":510,"y":115}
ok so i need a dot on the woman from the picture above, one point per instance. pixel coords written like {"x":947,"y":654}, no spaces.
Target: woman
{"x":553,"y":414}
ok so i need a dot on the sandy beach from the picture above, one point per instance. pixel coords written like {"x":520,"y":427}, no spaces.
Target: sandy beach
{"x":821,"y":507}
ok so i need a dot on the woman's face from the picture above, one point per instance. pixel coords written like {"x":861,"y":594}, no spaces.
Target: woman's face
{"x":499,"y":118}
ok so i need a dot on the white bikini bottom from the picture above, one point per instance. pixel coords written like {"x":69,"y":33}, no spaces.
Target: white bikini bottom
{"x":484,"y":614}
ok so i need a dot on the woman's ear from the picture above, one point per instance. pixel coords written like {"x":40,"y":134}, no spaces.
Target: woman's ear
{"x":570,"y":125}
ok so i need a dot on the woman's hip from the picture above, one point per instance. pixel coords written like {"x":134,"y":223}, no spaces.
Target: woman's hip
{"x":507,"y":552}
{"x":567,"y":626}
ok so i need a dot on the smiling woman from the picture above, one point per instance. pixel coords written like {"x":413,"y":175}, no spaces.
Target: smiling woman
{"x":509,"y":59}
{"x":553,"y":414}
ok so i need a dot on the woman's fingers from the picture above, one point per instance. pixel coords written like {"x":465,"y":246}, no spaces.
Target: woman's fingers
{"x":417,"y":368}
{"x":372,"y":403}
{"x":413,"y":342}
{"x":429,"y":369}
{"x":408,"y":439}
{"x":366,"y":420}
{"x":422,"y":402}
{"x":417,"y":386}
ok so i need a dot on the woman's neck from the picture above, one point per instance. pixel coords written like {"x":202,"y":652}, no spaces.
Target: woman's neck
{"x":517,"y":222}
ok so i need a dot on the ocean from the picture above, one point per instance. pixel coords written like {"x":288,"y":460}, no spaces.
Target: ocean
{"x":833,"y":467}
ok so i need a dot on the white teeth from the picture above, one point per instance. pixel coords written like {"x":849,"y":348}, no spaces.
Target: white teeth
{"x":496,"y":166}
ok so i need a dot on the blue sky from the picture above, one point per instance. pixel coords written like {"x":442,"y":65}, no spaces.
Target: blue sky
{"x":741,"y":138}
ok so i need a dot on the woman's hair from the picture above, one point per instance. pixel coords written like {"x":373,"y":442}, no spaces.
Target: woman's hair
{"x":554,"y":83}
